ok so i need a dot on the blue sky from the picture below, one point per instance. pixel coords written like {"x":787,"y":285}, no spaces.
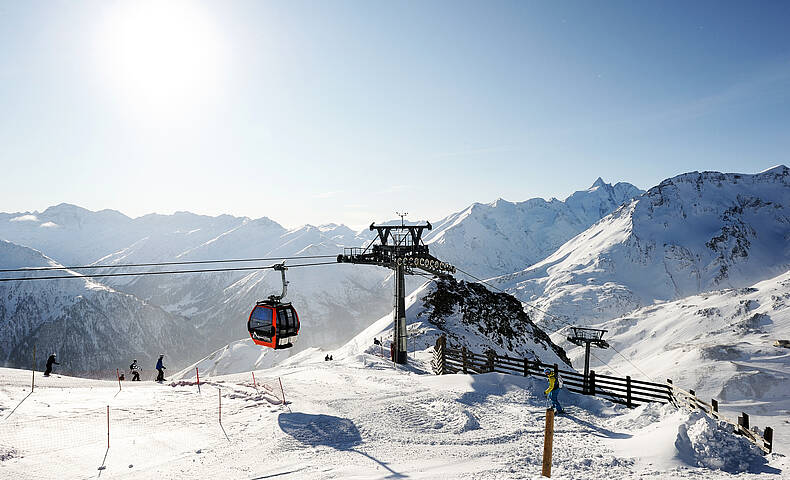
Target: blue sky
{"x":341,"y":111}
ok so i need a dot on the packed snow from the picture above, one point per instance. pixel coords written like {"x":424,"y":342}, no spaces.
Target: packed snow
{"x":358,"y":416}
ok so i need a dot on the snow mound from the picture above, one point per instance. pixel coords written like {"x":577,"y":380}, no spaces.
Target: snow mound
{"x":645,"y":415}
{"x":703,"y":442}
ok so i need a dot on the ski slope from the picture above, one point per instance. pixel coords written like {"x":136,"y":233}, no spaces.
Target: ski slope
{"x":720,"y":344}
{"x":357,"y":417}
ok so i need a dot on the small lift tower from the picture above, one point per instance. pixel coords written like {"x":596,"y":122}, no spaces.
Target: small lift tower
{"x":400,"y":248}
{"x":586,"y":337}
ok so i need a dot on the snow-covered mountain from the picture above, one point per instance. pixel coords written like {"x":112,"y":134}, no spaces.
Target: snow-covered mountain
{"x":73,"y":235}
{"x":502,"y":237}
{"x":335,"y":302}
{"x":693,"y":233}
{"x":89,"y":325}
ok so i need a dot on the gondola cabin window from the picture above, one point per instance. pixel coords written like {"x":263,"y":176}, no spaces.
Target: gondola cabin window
{"x":261,"y":323}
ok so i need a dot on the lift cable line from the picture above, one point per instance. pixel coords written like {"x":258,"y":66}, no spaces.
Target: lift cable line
{"x":558,"y":318}
{"x":169,"y":272}
{"x":161,"y":264}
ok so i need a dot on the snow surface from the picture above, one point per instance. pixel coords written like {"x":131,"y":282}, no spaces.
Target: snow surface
{"x":720,"y":344}
{"x":355,"y":417}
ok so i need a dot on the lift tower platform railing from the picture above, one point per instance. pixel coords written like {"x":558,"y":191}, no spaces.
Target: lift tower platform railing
{"x":401,"y":249}
{"x":585,"y":337}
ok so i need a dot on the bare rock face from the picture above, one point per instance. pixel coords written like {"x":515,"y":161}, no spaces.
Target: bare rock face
{"x":473,"y":316}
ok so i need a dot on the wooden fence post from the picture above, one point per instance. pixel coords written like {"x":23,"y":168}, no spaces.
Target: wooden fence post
{"x":628,"y":392}
{"x":548,"y":441}
{"x":33,"y":385}
{"x":768,"y":435}
{"x":743,"y":420}
{"x":714,"y":404}
{"x":463,"y":358}
{"x":526,"y":367}
{"x":671,"y":392}
{"x":491,"y":354}
{"x":592,"y":383}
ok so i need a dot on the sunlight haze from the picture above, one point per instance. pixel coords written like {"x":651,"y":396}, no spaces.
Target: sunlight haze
{"x":346,"y":111}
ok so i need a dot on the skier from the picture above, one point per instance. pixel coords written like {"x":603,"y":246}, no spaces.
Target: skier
{"x":553,"y":391}
{"x":161,"y":369}
{"x":326,"y":358}
{"x":135,"y":369}
{"x":50,"y":362}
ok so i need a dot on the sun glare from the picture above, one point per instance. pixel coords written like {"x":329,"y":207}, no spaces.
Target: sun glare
{"x":163,"y":57}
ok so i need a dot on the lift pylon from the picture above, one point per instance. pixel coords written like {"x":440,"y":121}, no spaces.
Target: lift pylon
{"x":401,"y":249}
{"x":585,"y":337}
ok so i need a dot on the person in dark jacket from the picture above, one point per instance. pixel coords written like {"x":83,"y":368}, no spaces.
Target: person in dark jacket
{"x":135,"y":369}
{"x":50,"y":361}
{"x":161,"y":369}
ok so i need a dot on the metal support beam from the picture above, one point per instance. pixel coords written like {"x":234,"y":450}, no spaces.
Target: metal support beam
{"x":399,"y":332}
{"x":587,"y":367}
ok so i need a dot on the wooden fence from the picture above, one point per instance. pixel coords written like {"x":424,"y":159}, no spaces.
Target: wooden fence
{"x":625,"y":391}
{"x":689,"y":400}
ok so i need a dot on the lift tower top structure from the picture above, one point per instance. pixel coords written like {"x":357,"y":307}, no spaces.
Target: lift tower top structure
{"x":401,"y":249}
{"x":584,"y":337}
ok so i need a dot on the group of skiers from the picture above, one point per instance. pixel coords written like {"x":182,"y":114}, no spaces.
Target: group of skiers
{"x":134,"y":368}
{"x":160,"y":369}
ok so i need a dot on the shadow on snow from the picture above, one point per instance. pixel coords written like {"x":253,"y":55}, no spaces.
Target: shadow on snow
{"x":326,"y":430}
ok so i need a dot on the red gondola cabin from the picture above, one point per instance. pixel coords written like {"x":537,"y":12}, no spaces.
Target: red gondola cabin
{"x":273,"y":324}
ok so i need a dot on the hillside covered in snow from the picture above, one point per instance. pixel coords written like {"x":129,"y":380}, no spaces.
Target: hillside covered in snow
{"x":693,"y":233}
{"x":90,"y":326}
{"x":720,"y":344}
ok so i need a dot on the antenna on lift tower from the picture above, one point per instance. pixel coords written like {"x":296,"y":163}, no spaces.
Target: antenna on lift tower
{"x":402,"y":216}
{"x":400,"y":248}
